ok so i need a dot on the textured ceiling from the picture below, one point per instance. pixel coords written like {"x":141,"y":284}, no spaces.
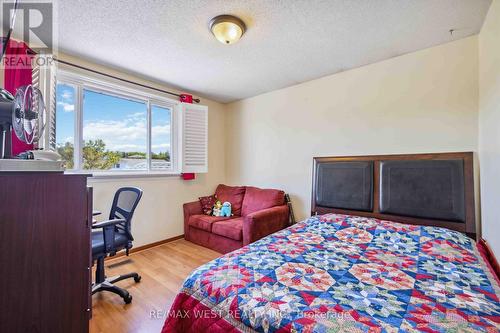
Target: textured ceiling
{"x":287,"y":42}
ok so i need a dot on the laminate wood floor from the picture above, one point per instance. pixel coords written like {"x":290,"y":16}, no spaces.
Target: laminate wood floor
{"x":163,"y":269}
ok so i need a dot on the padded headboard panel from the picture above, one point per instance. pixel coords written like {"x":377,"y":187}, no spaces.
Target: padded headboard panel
{"x":432,"y":189}
{"x":347,"y":185}
{"x":425,"y":189}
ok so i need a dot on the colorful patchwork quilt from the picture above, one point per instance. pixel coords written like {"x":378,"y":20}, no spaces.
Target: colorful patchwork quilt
{"x":340,"y":273}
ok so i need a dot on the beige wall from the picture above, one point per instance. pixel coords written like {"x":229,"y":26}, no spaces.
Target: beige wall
{"x":421,"y":102}
{"x":489,"y":125}
{"x":159,"y":215}
{"x":425,"y":101}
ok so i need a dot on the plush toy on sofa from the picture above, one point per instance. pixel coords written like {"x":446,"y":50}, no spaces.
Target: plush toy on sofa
{"x":217,"y":208}
{"x":226,"y":209}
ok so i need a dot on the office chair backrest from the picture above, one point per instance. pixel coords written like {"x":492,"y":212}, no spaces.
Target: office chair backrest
{"x":124,"y":203}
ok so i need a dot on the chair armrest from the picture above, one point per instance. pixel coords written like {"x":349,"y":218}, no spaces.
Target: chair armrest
{"x":190,"y":208}
{"x":108,"y":233}
{"x":264,"y":222}
{"x":107,"y":223}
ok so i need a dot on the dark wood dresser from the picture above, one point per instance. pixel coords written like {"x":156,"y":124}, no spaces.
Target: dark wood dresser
{"x":45,"y":220}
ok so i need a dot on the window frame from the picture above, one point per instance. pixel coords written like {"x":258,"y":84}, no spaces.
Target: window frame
{"x":96,"y":83}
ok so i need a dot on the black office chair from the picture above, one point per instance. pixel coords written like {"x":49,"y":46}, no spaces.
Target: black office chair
{"x":115,"y":236}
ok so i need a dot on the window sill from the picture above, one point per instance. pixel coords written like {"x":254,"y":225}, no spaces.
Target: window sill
{"x":126,"y":174}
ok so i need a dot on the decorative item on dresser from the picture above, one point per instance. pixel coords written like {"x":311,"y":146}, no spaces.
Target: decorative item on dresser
{"x":45,"y":220}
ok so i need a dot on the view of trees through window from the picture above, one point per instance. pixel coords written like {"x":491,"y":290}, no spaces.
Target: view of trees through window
{"x":65,"y":123}
{"x":114,"y":130}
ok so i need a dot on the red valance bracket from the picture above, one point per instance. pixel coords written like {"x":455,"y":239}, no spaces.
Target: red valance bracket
{"x":188,"y":176}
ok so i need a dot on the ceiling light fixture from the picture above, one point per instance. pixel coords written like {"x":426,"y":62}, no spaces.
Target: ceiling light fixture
{"x":227,"y":29}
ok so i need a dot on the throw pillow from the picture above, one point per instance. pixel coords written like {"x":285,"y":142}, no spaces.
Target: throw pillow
{"x":207,"y":204}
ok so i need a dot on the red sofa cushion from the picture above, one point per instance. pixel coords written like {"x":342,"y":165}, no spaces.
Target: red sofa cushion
{"x":232,"y":228}
{"x":258,"y":199}
{"x":204,"y":222}
{"x":233,"y":194}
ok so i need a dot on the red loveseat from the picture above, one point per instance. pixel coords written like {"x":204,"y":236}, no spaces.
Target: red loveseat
{"x":257,"y":213}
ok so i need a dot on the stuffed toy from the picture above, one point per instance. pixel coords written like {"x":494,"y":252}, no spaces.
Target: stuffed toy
{"x":217,"y":208}
{"x":226,"y":209}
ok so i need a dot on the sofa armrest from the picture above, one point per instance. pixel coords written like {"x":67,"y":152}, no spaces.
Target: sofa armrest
{"x":264,"y":222}
{"x":190,"y":208}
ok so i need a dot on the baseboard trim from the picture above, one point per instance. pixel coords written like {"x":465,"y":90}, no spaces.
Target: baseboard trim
{"x":145,"y":247}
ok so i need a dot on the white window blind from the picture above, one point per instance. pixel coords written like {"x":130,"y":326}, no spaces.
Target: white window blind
{"x":44,"y":78}
{"x":194,"y":138}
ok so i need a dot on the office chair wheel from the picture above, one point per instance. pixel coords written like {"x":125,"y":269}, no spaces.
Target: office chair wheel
{"x":127,"y":299}
{"x":137,"y":278}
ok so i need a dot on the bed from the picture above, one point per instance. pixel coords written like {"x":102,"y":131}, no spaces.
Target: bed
{"x":370,"y":259}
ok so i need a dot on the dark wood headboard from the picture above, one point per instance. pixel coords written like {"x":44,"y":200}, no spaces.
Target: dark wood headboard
{"x":424,"y":189}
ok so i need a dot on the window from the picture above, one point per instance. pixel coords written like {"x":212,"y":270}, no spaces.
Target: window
{"x":161,"y":137}
{"x":65,"y":120}
{"x":114,"y":132}
{"x":103,"y":126}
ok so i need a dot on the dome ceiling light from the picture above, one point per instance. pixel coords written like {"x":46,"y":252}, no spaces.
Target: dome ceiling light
{"x":227,"y":29}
